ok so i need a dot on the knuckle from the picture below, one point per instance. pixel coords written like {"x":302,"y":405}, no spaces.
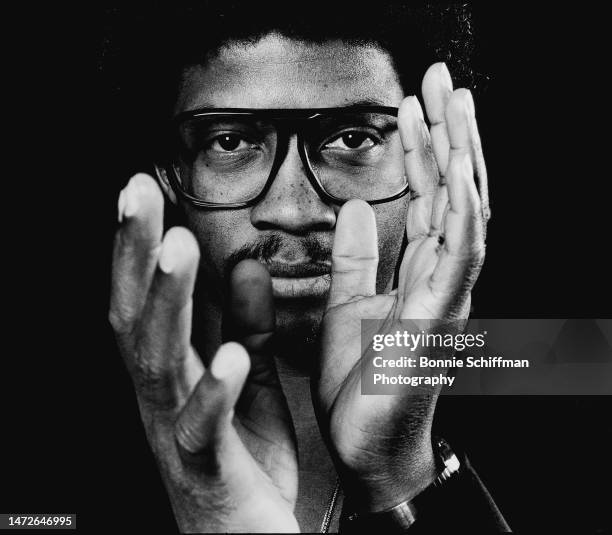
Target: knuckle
{"x":486,"y":213}
{"x":196,"y":450}
{"x":350,"y":263}
{"x":154,"y":383}
{"x":475,"y":263}
{"x":120,"y":324}
{"x":476,"y":142}
{"x":187,"y":438}
{"x":474,"y":211}
{"x":149,"y":375}
{"x":479,"y":257}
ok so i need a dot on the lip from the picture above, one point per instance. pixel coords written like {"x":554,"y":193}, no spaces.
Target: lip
{"x":301,"y":287}
{"x":292,"y":280}
{"x":298,"y":270}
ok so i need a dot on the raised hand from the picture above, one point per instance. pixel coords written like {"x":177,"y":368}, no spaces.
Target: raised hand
{"x":222,"y":436}
{"x":382,"y":444}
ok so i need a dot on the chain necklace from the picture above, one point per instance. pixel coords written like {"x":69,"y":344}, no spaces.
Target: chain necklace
{"x":330,"y":509}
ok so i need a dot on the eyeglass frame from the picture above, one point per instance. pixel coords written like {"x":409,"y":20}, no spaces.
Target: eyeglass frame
{"x":297,"y":115}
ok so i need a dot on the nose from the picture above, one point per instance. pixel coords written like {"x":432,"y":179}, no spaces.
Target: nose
{"x":292,"y":204}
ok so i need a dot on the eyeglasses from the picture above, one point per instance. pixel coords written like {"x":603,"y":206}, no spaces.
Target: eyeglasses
{"x":229,"y":158}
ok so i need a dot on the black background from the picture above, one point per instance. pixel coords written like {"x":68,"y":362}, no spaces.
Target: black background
{"x":72,"y":439}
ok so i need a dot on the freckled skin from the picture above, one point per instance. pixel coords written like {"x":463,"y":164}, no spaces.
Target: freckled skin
{"x":279,"y":73}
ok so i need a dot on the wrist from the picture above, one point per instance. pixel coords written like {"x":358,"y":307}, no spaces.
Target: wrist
{"x":399,"y":478}
{"x":426,"y":503}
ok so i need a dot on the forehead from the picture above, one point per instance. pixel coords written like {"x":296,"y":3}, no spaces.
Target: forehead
{"x":277,"y":72}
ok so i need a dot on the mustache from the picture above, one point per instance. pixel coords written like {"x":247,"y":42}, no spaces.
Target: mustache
{"x":265,"y":249}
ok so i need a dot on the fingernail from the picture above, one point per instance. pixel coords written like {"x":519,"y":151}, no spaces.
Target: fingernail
{"x":417,"y":107}
{"x":225,"y":362}
{"x":469,"y":102}
{"x":445,"y":75}
{"x":120,"y":206}
{"x":131,"y":200}
{"x":167,"y":259}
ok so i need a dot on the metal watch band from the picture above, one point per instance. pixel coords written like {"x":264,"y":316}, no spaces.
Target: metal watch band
{"x":403,"y":515}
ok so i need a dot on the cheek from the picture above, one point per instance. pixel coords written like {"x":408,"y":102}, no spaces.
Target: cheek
{"x":219,"y":233}
{"x":391,"y":225}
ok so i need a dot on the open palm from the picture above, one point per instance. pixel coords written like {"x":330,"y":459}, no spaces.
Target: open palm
{"x":445,"y":228}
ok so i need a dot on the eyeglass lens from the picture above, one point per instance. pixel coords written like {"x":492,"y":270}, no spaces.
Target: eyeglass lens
{"x":229,"y":159}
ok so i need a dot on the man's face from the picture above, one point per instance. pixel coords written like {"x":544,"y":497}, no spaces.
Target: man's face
{"x":291,"y":227}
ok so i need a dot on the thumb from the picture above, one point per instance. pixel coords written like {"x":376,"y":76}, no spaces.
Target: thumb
{"x":354,"y":254}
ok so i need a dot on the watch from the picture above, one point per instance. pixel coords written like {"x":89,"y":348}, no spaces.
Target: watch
{"x":400,"y":517}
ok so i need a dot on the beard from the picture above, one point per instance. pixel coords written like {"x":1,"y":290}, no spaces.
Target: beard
{"x":298,"y":328}
{"x":298,"y":320}
{"x":312,"y":248}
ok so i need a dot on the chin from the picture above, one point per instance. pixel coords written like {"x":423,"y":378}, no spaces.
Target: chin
{"x":297,"y":330}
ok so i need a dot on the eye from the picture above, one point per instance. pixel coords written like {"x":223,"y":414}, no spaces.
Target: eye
{"x":351,"y":140}
{"x":229,"y":143}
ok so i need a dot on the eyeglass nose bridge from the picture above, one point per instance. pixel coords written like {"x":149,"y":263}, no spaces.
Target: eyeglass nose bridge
{"x":284,"y":131}
{"x":286,"y":124}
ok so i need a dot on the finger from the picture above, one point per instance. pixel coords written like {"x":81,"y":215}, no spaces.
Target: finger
{"x":354,"y":254}
{"x":420,"y":165}
{"x":420,"y":258}
{"x":164,"y":356}
{"x":251,"y":298}
{"x":464,"y":137}
{"x":135,"y":252}
{"x":462,"y":252}
{"x":251,"y":318}
{"x":437,"y":88}
{"x":459,"y":114}
{"x":206,"y":417}
{"x":440,"y":206}
{"x":480,"y":167}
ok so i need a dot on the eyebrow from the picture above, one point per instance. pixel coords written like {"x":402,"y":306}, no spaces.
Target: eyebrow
{"x":367,"y":102}
{"x":359,"y":102}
